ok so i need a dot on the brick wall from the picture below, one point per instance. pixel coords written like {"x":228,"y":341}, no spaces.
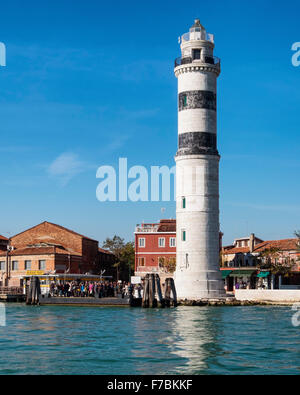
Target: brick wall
{"x":48,"y":232}
{"x":72,"y":243}
{"x":89,"y":255}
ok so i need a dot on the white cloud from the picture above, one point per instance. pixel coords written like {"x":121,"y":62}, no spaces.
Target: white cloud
{"x":66,"y":166}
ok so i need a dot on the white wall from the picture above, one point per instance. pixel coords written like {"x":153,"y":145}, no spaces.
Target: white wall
{"x":258,"y":295}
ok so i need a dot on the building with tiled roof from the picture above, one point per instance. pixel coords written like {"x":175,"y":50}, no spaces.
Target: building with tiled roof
{"x":240,"y":262}
{"x":155,"y":248}
{"x":49,"y":248}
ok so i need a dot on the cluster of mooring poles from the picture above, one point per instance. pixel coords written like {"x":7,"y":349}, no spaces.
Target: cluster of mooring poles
{"x":153,"y":296}
{"x":33,"y":291}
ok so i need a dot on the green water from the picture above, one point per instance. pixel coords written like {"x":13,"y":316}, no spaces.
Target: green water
{"x":204,"y":340}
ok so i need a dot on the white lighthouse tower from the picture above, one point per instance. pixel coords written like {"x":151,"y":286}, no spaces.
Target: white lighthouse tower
{"x":197,"y":167}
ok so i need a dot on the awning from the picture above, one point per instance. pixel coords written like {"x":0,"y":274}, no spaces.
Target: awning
{"x":225,"y":273}
{"x":263,"y":274}
{"x":242,"y":273}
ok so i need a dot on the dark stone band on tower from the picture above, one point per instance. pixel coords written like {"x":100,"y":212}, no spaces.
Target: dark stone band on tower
{"x":197,"y":143}
{"x":197,"y":99}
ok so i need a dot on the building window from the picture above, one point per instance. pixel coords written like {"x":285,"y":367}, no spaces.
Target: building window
{"x":2,"y":266}
{"x":27,"y":265}
{"x":15,"y":265}
{"x":196,"y":54}
{"x":172,"y":241}
{"x":183,"y":235}
{"x":186,"y":260}
{"x":161,"y":242}
{"x":141,"y":262}
{"x":42,"y":265}
{"x":142,"y":243}
{"x":183,"y":203}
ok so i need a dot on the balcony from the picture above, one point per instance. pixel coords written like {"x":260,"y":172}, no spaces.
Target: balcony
{"x":208,"y":60}
{"x":146,"y":228}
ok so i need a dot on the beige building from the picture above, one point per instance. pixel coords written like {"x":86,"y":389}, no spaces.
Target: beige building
{"x":240,"y":264}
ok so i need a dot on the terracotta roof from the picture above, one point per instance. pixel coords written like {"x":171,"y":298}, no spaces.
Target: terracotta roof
{"x":58,"y":226}
{"x":228,"y":247}
{"x":39,"y":251}
{"x":3,"y":238}
{"x":44,"y":243}
{"x":167,"y":225}
{"x":105,"y":251}
{"x":284,"y":245}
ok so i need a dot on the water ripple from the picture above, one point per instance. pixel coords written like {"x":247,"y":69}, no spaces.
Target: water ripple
{"x":225,"y":340}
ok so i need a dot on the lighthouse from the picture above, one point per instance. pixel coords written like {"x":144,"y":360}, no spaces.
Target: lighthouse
{"x":197,"y":273}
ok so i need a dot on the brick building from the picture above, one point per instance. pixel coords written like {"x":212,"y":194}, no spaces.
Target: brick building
{"x":47,"y":249}
{"x":155,"y":248}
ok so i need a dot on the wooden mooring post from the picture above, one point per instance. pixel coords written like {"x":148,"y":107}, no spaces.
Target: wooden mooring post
{"x":33,"y":292}
{"x":170,"y":293}
{"x":153,"y":297}
{"x":145,"y":303}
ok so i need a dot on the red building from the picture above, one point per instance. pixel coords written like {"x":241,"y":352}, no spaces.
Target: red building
{"x":155,"y":248}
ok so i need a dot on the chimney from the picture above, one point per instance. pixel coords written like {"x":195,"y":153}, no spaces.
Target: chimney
{"x":252,"y":242}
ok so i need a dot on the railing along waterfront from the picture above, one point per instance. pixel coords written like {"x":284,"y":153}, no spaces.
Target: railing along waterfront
{"x":11,"y":291}
{"x":207,"y":60}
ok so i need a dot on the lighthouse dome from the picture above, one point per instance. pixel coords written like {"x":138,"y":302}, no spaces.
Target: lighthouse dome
{"x":197,"y":31}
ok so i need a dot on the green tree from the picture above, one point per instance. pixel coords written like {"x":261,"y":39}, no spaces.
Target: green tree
{"x":168,"y":264}
{"x":125,"y":256}
{"x":274,"y":260}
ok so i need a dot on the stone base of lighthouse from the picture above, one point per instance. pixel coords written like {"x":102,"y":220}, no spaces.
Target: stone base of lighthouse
{"x":201,"y":285}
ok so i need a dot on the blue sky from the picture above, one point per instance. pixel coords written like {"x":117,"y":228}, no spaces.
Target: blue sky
{"x":88,"y":82}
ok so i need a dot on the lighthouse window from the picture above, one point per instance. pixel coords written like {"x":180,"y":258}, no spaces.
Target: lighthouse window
{"x":196,"y":54}
{"x":183,"y":202}
{"x":183,"y":235}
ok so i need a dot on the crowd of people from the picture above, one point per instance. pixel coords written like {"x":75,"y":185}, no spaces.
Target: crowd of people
{"x":99,"y":289}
